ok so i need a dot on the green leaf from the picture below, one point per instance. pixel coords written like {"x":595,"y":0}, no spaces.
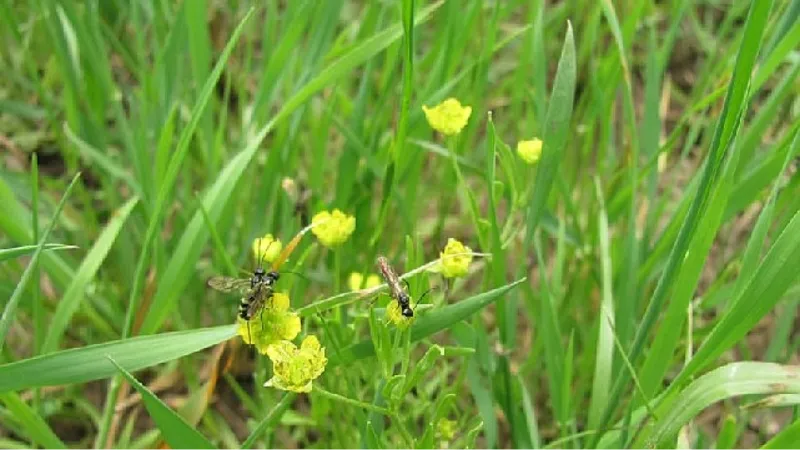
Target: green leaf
{"x":16,"y":296}
{"x":79,"y":365}
{"x":786,"y":438}
{"x":605,"y":324}
{"x":34,"y":425}
{"x":776,"y":273}
{"x":732,"y":380}
{"x":428,"y":324}
{"x":175,"y":430}
{"x":556,"y":131}
{"x":86,"y":273}
{"x":16,"y":252}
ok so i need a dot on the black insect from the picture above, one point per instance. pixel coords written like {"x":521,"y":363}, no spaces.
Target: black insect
{"x":398,"y":293}
{"x":257,"y":290}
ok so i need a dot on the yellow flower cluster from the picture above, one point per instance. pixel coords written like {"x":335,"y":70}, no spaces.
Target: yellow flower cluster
{"x":333,"y":228}
{"x":454,"y":260}
{"x":295,"y":368}
{"x":267,"y":248}
{"x":272,"y":329}
{"x":448,"y":117}
{"x":274,"y":323}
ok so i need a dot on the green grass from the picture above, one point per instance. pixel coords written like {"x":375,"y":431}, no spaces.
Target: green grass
{"x":626,"y":282}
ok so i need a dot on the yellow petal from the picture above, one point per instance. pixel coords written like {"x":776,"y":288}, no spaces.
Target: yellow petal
{"x":333,"y":228}
{"x":530,"y":151}
{"x":455,"y":259}
{"x":448,"y":117}
{"x":266,"y":248}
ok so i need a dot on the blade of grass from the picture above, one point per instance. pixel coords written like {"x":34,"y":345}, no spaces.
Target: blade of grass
{"x":79,"y":365}
{"x":726,"y":129}
{"x":16,"y":252}
{"x":429,"y":324}
{"x":732,"y":380}
{"x":174,"y":429}
{"x":36,"y":427}
{"x":776,"y":273}
{"x":786,"y":438}
{"x":16,"y":296}
{"x":85,"y":274}
{"x":556,"y":132}
{"x":605,"y":325}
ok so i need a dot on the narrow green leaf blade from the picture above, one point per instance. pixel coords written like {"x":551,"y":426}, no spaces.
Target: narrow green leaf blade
{"x":16,"y":252}
{"x":35,"y":426}
{"x":16,"y":296}
{"x":556,"y":131}
{"x":79,"y":365}
{"x":86,"y":272}
{"x":732,"y":380}
{"x":175,"y":430}
{"x":429,"y":324}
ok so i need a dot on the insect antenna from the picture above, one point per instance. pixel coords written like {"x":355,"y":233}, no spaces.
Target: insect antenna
{"x":423,"y":296}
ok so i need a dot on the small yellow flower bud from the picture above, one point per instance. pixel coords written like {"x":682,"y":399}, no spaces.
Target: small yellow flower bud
{"x":294,"y":369}
{"x":446,"y":429}
{"x":334,"y":228}
{"x":395,"y":315}
{"x":273,"y":323}
{"x":448,"y":117}
{"x":355,"y":280}
{"x":455,"y":266}
{"x":266,"y":248}
{"x":530,"y":151}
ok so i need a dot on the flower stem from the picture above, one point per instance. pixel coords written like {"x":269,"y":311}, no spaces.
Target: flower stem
{"x":340,"y":398}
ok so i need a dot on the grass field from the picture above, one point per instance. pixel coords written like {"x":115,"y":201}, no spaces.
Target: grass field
{"x":631,"y":283}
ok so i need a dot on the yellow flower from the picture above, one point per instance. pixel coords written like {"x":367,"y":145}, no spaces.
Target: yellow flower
{"x":395,"y":315}
{"x":446,"y":429}
{"x":294,"y":369}
{"x":335,"y":230}
{"x":451,"y":265}
{"x":355,"y":280}
{"x":448,"y":117}
{"x":530,"y":151}
{"x":273,"y":323}
{"x":266,"y":248}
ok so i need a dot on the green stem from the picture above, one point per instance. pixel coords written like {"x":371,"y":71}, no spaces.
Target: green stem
{"x":271,"y":419}
{"x":340,"y":398}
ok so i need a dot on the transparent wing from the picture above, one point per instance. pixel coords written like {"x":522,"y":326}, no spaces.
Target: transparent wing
{"x":261,"y":297}
{"x":230,"y":285}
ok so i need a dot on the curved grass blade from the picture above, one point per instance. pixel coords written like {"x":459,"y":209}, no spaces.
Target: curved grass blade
{"x":216,"y":197}
{"x":80,"y":365}
{"x":732,"y":380}
{"x":13,"y":302}
{"x":772,"y":279}
{"x":174,"y":429}
{"x":86,"y":272}
{"x":429,"y":324}
{"x":36,"y":427}
{"x":734,"y":107}
{"x":16,"y":252}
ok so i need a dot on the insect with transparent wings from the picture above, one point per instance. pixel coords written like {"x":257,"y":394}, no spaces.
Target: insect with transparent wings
{"x":257,"y":290}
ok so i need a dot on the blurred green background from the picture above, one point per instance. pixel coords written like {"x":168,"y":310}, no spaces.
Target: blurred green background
{"x":657,"y":239}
